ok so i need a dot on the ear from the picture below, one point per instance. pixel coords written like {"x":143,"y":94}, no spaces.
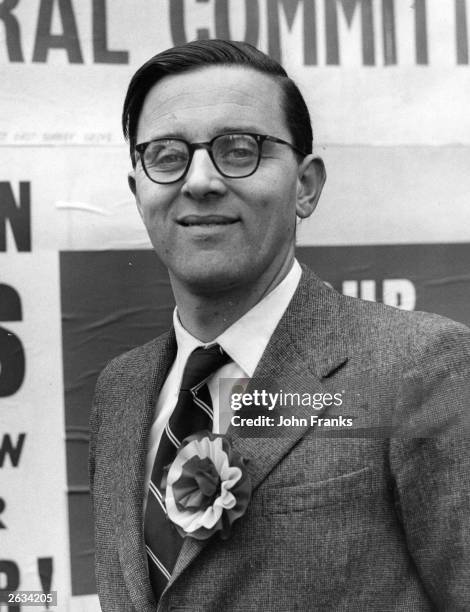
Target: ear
{"x":131,"y":181}
{"x":311,"y":178}
{"x":133,"y":188}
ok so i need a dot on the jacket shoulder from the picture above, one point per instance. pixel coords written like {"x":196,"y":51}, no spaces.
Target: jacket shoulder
{"x":361,"y":325}
{"x":130,"y":365}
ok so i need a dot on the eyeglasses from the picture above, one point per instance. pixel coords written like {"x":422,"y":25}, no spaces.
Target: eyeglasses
{"x":167,"y":160}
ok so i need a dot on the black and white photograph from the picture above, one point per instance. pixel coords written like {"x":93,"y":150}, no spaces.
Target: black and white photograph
{"x":235,"y":305}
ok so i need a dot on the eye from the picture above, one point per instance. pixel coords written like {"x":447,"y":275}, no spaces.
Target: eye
{"x":166,"y":155}
{"x":236,"y":149}
{"x":239,"y":152}
{"x":169,"y":157}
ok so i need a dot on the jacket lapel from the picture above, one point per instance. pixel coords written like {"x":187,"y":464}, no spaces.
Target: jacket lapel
{"x":137,"y":421}
{"x":305,"y":349}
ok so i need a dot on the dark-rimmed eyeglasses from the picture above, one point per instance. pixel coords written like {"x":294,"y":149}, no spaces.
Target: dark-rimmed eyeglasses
{"x":167,"y":160}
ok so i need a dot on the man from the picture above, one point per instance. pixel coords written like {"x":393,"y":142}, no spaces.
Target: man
{"x":377,"y":519}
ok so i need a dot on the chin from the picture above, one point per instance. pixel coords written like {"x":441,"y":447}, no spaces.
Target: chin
{"x":212,"y":277}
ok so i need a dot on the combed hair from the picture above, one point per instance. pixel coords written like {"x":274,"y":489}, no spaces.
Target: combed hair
{"x":201,"y":53}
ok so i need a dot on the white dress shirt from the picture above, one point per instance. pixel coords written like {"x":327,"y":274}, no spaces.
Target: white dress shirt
{"x":244,"y":341}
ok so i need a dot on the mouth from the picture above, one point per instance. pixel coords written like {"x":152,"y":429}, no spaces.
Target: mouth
{"x":205,"y":220}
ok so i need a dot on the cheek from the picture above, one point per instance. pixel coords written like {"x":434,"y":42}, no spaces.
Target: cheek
{"x":278,"y":186}
{"x":152,"y":203}
{"x":278,"y":207}
{"x":272,"y":223}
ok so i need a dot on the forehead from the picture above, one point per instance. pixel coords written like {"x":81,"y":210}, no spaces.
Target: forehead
{"x":202,"y":103}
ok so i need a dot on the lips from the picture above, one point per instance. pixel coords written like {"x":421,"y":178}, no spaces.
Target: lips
{"x":205,"y":220}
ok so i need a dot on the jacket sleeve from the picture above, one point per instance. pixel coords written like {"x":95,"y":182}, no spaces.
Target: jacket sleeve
{"x":94,"y":427}
{"x":430,"y":462}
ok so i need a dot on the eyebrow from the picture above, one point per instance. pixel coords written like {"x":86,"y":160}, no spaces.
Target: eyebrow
{"x":246,"y":128}
{"x":226,"y":129}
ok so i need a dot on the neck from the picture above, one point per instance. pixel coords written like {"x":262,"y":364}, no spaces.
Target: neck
{"x":207,"y":315}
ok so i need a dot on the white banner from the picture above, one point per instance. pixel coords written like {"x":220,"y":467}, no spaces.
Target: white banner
{"x":373,"y":71}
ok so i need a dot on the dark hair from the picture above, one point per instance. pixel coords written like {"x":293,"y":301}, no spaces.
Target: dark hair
{"x":201,"y":53}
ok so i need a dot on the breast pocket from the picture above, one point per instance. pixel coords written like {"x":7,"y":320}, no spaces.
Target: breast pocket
{"x":333,"y":491}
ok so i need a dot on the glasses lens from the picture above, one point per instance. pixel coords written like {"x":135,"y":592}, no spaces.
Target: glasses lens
{"x":236,"y":155}
{"x":166,"y":160}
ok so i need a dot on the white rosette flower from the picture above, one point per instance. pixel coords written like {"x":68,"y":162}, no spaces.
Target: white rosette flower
{"x":207,"y":487}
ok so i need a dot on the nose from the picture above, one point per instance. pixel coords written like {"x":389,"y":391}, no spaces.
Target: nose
{"x":202,"y":178}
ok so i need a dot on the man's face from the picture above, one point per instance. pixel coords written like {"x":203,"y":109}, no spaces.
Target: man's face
{"x":215,"y":233}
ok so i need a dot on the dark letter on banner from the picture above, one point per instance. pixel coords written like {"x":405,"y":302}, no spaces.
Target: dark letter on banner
{"x":421,"y":31}
{"x":12,"y":30}
{"x":367,"y":23}
{"x":388,"y":31}
{"x":10,"y":570}
{"x":101,"y":53}
{"x":222,"y":25}
{"x":309,"y":33}
{"x":8,"y":450}
{"x":18,"y":216}
{"x":177,"y":22}
{"x":68,"y":40}
{"x":178,"y":33}
{"x":12,"y":358}
{"x":461,"y":31}
{"x":2,"y":508}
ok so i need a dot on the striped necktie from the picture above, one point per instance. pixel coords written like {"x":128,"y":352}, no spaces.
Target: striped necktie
{"x":192,"y":413}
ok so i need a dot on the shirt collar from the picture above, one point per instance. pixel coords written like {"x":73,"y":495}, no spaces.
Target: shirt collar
{"x":246,"y":339}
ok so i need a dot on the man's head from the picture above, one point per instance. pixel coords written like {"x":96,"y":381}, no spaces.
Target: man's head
{"x":216,"y":219}
{"x":200,"y":53}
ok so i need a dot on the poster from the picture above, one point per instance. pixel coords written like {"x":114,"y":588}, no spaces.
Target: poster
{"x":388,"y":84}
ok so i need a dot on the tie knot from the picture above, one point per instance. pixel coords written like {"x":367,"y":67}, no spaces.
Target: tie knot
{"x":202,"y":363}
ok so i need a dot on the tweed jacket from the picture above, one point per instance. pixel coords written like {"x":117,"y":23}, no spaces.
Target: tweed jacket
{"x":372,"y":520}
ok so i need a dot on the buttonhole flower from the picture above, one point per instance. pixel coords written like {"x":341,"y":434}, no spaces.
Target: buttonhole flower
{"x":207,"y":486}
